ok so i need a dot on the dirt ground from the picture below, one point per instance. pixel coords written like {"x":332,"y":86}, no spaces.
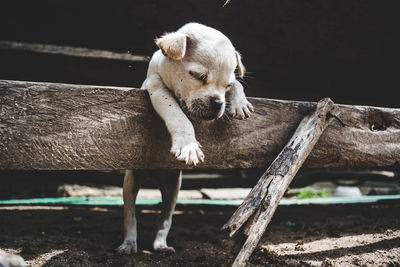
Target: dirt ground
{"x":334,"y":235}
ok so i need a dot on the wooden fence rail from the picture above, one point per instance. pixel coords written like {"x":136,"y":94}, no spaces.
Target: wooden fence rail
{"x":71,"y":51}
{"x":51,"y":126}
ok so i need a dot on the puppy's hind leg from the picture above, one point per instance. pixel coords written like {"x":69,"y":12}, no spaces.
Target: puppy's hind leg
{"x":169,"y":184}
{"x":130,"y":191}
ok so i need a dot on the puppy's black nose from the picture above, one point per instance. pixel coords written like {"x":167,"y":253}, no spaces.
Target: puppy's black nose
{"x":216,"y":103}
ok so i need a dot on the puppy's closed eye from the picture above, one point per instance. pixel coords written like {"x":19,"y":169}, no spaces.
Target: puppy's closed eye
{"x":202,"y":77}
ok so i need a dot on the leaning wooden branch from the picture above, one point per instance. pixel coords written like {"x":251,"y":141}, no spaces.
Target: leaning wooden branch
{"x":264,"y":198}
{"x":53,"y":126}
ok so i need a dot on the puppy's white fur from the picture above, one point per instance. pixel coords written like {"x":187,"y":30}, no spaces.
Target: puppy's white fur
{"x":192,"y":75}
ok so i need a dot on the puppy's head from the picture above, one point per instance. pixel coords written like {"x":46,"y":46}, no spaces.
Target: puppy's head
{"x":199,"y":67}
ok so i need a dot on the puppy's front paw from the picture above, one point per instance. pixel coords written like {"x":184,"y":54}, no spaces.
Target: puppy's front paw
{"x":127,"y":247}
{"x":187,"y":151}
{"x":240,"y":109}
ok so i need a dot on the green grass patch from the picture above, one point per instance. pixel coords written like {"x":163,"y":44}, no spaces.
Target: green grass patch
{"x":310,"y":193}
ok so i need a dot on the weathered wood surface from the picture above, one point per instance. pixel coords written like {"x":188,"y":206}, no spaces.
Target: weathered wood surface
{"x":260,"y":204}
{"x":71,"y":51}
{"x":61,"y":126}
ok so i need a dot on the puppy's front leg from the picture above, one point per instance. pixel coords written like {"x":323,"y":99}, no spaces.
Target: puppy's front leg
{"x":238,"y":106}
{"x":184,"y":144}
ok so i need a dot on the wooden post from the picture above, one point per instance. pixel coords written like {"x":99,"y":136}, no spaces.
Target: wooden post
{"x":264,"y":198}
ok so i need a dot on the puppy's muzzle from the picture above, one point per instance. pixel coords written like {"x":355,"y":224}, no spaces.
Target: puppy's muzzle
{"x":207,"y":109}
{"x":216,"y":105}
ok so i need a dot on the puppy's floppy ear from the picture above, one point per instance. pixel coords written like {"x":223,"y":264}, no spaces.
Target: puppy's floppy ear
{"x":173,"y":45}
{"x":240,"y":67}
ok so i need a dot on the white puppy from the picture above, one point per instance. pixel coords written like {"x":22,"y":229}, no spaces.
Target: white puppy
{"x":192,"y":75}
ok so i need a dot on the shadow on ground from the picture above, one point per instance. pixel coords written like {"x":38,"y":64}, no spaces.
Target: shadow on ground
{"x":87,"y":236}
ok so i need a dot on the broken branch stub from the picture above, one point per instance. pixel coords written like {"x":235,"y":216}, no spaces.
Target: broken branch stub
{"x":264,"y":198}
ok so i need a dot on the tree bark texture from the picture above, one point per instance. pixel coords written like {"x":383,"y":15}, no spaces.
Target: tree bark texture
{"x":264,"y":198}
{"x":51,"y":126}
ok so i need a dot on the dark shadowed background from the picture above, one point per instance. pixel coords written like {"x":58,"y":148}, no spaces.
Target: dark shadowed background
{"x":303,"y":50}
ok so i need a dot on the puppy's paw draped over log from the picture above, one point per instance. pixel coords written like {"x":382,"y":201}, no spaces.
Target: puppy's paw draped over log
{"x":187,"y":150}
{"x":240,"y":109}
{"x":127,"y":247}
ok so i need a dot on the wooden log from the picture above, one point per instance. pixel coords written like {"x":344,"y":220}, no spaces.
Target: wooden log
{"x":266,"y":195}
{"x":71,"y":51}
{"x":49,"y":126}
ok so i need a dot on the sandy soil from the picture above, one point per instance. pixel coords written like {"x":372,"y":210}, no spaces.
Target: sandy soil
{"x":342,"y":235}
